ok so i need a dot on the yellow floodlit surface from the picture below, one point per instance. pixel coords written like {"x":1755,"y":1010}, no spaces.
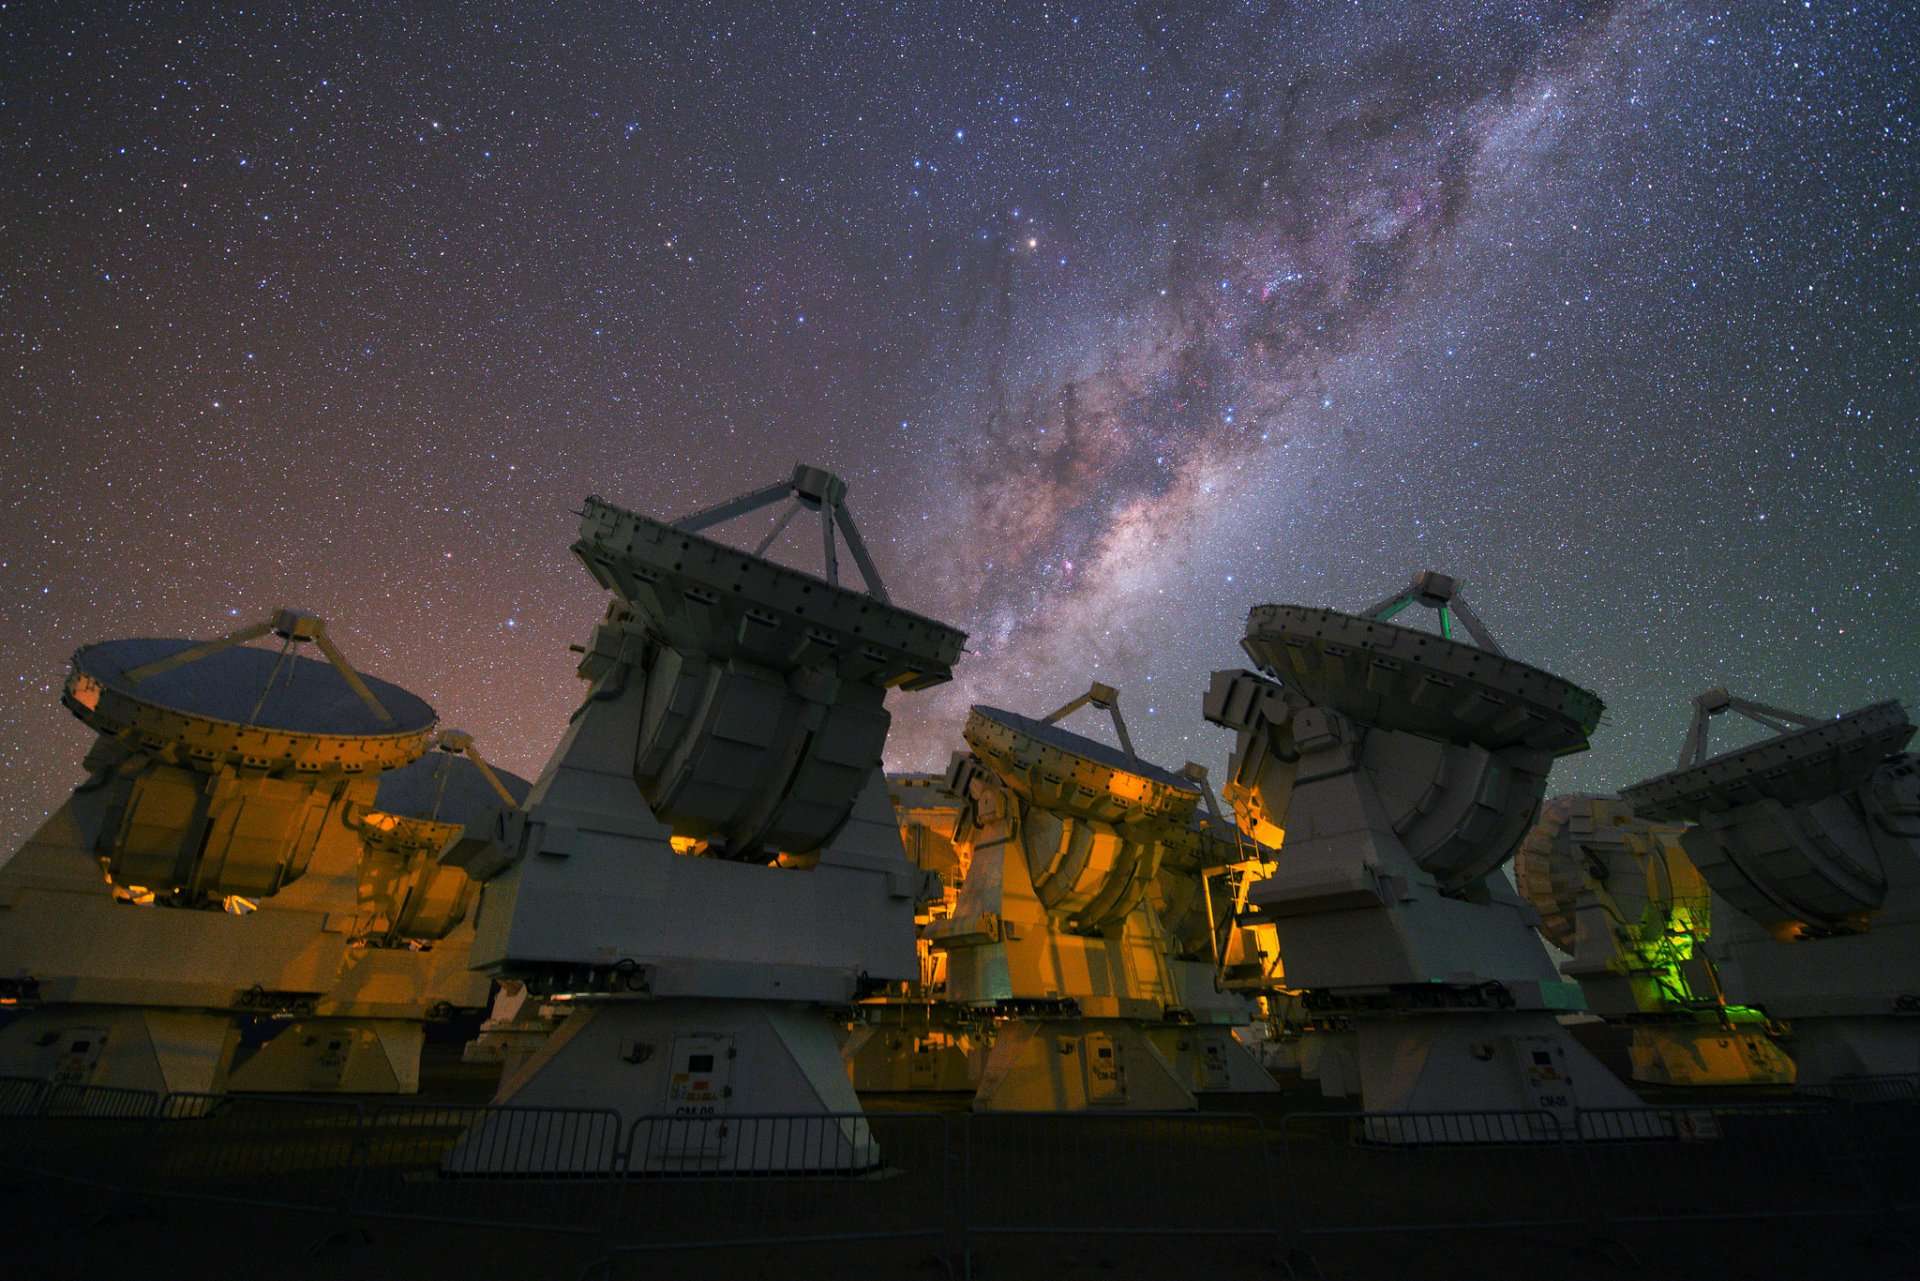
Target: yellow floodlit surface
{"x":84,"y":690}
{"x":1251,"y":815}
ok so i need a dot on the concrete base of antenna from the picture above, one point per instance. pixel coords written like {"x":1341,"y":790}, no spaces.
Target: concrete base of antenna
{"x":1074,"y":1065}
{"x":921,"y":1048}
{"x":121,"y":1047}
{"x":688,"y":1077}
{"x":1208,"y":1058}
{"x":366,"y":1035}
{"x":1456,"y":1061}
{"x":337,"y":1056}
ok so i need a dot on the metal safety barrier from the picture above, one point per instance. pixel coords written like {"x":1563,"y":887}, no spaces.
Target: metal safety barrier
{"x":1884,"y":1088}
{"x":263,"y":1150}
{"x":668,"y":1183}
{"x":20,"y":1095}
{"x":1082,"y":1173}
{"x":1884,"y":1130}
{"x":1360,"y":1174}
{"x":19,"y":1100}
{"x":539,"y":1169}
{"x":87,"y":1135}
{"x":762,"y":1180}
{"x":1884,"y":1116}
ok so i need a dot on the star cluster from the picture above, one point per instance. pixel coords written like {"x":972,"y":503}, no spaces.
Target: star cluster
{"x":1117,"y":319}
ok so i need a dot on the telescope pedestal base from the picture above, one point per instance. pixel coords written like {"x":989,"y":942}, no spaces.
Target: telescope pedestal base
{"x":1707,"y":1054}
{"x":699,"y":1071}
{"x":1467,"y":1061}
{"x":1332,"y":1059}
{"x":930,"y":1056}
{"x":1072,"y":1065}
{"x":1209,"y":1059}
{"x":345,"y":1056}
{"x":165,"y":1051}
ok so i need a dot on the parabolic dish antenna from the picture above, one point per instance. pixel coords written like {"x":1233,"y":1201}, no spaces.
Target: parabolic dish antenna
{"x":765,"y":712}
{"x":1380,"y":673}
{"x":1550,"y":880}
{"x":1057,"y":768}
{"x":1808,"y":760}
{"x":1775,"y":834}
{"x":221,"y":701}
{"x":453,"y":784}
{"x":699,"y":594}
{"x":1098,"y":820}
{"x":430,"y":822}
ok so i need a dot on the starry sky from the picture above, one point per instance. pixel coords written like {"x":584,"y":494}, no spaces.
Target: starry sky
{"x":1117,"y":318}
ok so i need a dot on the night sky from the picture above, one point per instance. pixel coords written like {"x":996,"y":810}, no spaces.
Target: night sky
{"x":1117,"y":318}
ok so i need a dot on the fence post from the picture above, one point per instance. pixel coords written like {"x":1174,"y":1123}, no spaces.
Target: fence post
{"x":358,"y":1157}
{"x":1280,"y":1259}
{"x":966,"y":1195}
{"x":943,"y":1192}
{"x":1585,"y":1185}
{"x":1293,"y":1239}
{"x":121,"y":1192}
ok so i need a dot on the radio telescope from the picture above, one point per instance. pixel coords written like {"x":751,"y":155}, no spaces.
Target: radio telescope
{"x":1404,"y":768}
{"x":1054,"y":927}
{"x":205,"y":869}
{"x":709,"y":863}
{"x":1617,"y":892}
{"x":410,"y":956}
{"x":1810,"y":840}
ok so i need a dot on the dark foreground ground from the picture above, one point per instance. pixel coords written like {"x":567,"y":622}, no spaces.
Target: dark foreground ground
{"x":1805,"y":1195}
{"x":47,"y":1237}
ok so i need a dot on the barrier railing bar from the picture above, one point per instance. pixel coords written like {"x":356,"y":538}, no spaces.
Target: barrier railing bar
{"x":786,"y":1168}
